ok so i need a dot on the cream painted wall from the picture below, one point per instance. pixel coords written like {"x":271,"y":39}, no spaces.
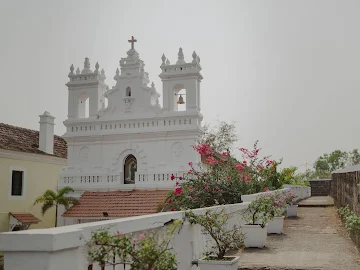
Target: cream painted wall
{"x":39,"y":176}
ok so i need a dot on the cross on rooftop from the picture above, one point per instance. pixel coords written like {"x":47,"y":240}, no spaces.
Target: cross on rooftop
{"x":132,"y":41}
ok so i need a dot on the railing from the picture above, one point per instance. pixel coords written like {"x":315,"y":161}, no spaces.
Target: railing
{"x":96,"y":179}
{"x":128,"y":126}
{"x":65,"y":248}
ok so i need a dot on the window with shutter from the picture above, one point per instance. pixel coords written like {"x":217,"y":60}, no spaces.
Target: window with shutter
{"x":17,"y":183}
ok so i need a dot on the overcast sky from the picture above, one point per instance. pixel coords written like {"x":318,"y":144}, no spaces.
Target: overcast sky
{"x":286,"y":71}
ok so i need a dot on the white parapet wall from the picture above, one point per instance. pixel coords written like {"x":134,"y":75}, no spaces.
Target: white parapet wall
{"x":65,"y":247}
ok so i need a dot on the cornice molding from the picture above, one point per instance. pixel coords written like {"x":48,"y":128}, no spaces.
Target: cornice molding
{"x":32,"y":157}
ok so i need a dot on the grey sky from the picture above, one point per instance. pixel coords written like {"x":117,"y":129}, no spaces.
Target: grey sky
{"x":285,"y":71}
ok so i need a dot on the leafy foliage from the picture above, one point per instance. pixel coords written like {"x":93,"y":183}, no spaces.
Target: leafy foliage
{"x":260,"y":211}
{"x":151,"y":251}
{"x":51,"y":198}
{"x":337,"y":159}
{"x":352,"y":221}
{"x":220,"y":138}
{"x":215,"y":224}
{"x":223,"y":180}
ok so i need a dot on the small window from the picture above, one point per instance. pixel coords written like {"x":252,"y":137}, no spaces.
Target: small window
{"x":128,"y":91}
{"x":17,"y":183}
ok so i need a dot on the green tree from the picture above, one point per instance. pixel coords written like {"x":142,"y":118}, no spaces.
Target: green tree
{"x":354,"y":157}
{"x":51,"y":198}
{"x":220,"y":137}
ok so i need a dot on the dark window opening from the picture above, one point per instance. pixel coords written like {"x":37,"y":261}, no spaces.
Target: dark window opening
{"x":17,"y":183}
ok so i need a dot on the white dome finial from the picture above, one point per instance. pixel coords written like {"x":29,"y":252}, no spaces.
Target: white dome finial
{"x":86,"y":69}
{"x":163,"y":59}
{"x":71,"y":70}
{"x":180,"y":57}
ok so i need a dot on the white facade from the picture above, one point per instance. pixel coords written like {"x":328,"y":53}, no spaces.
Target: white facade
{"x":154,"y":142}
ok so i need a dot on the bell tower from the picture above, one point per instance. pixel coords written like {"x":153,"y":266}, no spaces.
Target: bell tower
{"x":86,"y":90}
{"x":180,"y":76}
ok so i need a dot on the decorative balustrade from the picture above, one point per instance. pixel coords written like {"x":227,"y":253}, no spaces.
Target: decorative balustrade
{"x":65,"y":247}
{"x":157,"y":178}
{"x":95,"y":179}
{"x":127,"y":126}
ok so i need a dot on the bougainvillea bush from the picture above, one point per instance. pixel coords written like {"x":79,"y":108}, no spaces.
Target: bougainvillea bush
{"x":151,"y":251}
{"x":223,"y":179}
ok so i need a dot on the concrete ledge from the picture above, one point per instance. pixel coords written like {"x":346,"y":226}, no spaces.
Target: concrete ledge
{"x":317,"y":201}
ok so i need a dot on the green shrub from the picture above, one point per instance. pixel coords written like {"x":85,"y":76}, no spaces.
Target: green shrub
{"x":351,"y":219}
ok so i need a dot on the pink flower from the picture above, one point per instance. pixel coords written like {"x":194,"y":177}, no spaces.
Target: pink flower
{"x":224,"y":153}
{"x":219,"y":190}
{"x":134,"y":240}
{"x":172,"y":209}
{"x":118,"y":233}
{"x":190,"y":163}
{"x":178,"y":191}
{"x":180,"y":178}
{"x":266,"y":189}
{"x":211,"y":160}
{"x":177,"y":183}
{"x":239,"y":167}
{"x":142,"y":236}
{"x":244,"y":162}
{"x":172,"y":177}
{"x":204,"y":149}
{"x":170,"y":201}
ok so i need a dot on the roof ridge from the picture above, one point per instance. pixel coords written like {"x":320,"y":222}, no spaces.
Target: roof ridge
{"x":27,"y":129}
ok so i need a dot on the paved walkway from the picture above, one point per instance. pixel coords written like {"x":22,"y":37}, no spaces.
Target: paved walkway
{"x":317,"y":201}
{"x":314,"y":240}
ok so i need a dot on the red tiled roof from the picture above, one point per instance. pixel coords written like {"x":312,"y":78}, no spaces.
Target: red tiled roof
{"x":118,"y":203}
{"x":27,"y":140}
{"x":25,"y":218}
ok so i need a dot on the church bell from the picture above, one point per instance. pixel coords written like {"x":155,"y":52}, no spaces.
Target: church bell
{"x":181,"y":100}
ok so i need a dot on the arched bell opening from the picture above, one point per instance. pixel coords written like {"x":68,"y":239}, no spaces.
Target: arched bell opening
{"x":179,"y":98}
{"x":83,"y":106}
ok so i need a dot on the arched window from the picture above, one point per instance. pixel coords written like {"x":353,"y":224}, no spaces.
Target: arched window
{"x":128,"y":91}
{"x":130,"y":167}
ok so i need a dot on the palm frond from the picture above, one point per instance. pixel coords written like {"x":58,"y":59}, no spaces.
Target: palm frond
{"x":64,"y":191}
{"x":46,"y":206}
{"x":66,"y":201}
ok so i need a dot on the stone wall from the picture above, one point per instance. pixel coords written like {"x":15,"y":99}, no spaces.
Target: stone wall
{"x":320,"y":187}
{"x":345,"y":190}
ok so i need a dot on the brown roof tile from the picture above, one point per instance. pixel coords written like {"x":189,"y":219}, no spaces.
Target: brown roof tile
{"x":27,"y":140}
{"x":25,"y":218}
{"x":118,"y":203}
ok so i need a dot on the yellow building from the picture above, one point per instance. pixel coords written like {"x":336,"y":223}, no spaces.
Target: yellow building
{"x":30,"y":162}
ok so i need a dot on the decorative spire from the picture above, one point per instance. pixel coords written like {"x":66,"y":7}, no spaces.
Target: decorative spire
{"x":97,"y":68}
{"x":87,"y":63}
{"x":71,"y":70}
{"x":117,"y":76}
{"x":86,"y":69}
{"x":180,"y":57}
{"x":77,"y":71}
{"x":103,"y":72}
{"x":194,"y":56}
{"x":163,"y":58}
{"x":167,"y":62}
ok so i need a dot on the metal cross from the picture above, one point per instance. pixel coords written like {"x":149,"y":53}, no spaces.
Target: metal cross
{"x":132,"y":41}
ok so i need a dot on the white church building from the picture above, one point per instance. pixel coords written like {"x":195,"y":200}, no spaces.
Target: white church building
{"x":123,"y":146}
